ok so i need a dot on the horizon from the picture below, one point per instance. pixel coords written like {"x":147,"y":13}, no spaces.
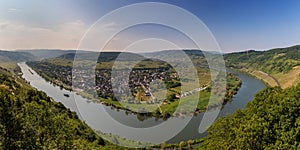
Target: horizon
{"x":236,"y":25}
{"x":149,"y":74}
{"x":158,"y":50}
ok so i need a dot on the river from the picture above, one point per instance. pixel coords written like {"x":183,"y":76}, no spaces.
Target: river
{"x":96,"y":114}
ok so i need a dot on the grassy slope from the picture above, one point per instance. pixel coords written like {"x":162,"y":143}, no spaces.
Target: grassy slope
{"x":281,"y":63}
{"x":289,"y":79}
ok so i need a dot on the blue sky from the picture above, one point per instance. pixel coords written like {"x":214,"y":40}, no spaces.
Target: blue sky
{"x":236,"y":24}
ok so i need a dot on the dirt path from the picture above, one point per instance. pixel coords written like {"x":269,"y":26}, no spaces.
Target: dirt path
{"x":277,"y":82}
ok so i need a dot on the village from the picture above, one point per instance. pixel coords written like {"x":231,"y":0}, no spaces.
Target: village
{"x":117,"y":87}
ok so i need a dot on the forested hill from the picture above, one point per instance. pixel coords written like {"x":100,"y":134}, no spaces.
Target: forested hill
{"x":13,"y":56}
{"x":29,"y":119}
{"x":47,"y":53}
{"x":103,"y":56}
{"x":270,"y":61}
{"x":282,"y":64}
{"x":270,"y":121}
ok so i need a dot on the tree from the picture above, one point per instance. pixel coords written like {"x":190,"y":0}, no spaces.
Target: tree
{"x":11,"y":124}
{"x":270,"y":121}
{"x":30,"y":120}
{"x":163,"y":145}
{"x":171,"y":97}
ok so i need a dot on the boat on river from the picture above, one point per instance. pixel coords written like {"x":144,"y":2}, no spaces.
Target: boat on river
{"x":30,"y":71}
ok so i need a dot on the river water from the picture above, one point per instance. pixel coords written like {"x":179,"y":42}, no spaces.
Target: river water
{"x":99,"y":116}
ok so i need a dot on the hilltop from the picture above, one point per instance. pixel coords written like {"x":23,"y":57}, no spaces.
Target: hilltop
{"x":47,"y":53}
{"x":277,"y":67}
{"x":14,"y":56}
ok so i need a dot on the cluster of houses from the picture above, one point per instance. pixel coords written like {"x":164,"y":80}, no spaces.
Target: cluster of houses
{"x":123,"y":82}
{"x":108,"y":83}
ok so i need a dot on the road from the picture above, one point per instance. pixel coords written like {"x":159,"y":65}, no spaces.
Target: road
{"x":185,"y":94}
{"x":277,"y":82}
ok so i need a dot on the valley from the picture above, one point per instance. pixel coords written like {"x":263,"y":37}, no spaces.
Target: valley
{"x":159,"y":99}
{"x":149,"y":75}
{"x":95,"y":113}
{"x":58,"y":71}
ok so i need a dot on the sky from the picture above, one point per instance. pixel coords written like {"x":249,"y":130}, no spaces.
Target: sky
{"x":235,"y":24}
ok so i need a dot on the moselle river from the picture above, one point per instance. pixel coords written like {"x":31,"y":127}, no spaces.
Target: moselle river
{"x":131,"y":126}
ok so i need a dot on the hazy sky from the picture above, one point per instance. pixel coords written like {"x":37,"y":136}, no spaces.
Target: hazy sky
{"x":236,"y":24}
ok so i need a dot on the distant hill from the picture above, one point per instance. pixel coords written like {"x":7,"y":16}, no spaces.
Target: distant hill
{"x":48,"y":53}
{"x":280,"y":63}
{"x":103,"y":57}
{"x":107,"y":58}
{"x":13,"y":56}
{"x":80,"y":54}
{"x":270,"y":61}
{"x":167,"y":52}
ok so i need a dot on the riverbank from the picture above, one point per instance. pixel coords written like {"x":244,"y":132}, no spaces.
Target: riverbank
{"x":190,"y":144}
{"x":165,"y":108}
{"x":94,"y":112}
{"x":260,"y":75}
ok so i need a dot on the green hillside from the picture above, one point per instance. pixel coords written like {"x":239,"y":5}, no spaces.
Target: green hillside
{"x":276,"y":65}
{"x":29,"y":119}
{"x":270,"y":121}
{"x":103,"y":57}
{"x":47,"y":53}
{"x":13,"y":56}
